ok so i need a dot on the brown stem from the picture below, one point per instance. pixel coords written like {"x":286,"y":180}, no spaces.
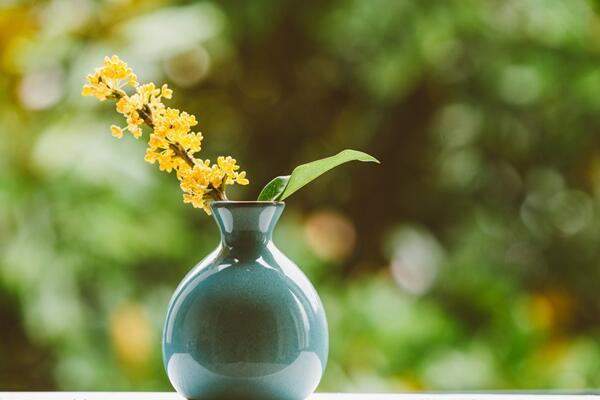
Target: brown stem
{"x":146,"y":115}
{"x":221,"y":194}
{"x":179,"y":152}
{"x":217,"y":194}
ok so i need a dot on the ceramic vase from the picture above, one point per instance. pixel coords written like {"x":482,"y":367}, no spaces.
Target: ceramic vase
{"x":245,"y":323}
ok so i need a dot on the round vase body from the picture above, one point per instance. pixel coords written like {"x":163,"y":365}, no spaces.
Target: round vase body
{"x":245,"y":323}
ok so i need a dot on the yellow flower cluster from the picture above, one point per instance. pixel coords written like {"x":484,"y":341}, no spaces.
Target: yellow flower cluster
{"x":106,"y":80}
{"x":171,"y":143}
{"x":204,"y":176}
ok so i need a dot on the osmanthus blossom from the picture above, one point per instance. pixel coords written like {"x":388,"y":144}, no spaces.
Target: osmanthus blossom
{"x":172,"y":143}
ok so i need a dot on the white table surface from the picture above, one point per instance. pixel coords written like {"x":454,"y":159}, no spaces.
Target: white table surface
{"x":316,"y":396}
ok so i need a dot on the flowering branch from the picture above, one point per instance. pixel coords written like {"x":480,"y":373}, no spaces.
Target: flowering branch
{"x":172,"y":143}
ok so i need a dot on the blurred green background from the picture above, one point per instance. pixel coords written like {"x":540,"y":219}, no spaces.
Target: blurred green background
{"x":470,"y":259}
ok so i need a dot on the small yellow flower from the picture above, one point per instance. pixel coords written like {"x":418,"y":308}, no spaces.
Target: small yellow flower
{"x":132,"y":81}
{"x":126,"y":105}
{"x":166,"y":92}
{"x":97,"y":87}
{"x":151,"y":156}
{"x":116,"y":69}
{"x":227,"y":164}
{"x":116,"y":131}
{"x":240,"y":178}
{"x":135,"y":130}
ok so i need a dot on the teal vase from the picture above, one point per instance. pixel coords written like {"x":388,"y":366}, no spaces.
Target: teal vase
{"x":245,"y":323}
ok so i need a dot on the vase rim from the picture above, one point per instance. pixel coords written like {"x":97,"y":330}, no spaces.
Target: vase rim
{"x":246,"y":203}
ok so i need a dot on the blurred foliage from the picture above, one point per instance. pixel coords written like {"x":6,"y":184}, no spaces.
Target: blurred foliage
{"x":468,"y":260}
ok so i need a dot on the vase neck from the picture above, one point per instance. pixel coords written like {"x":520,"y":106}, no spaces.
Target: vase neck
{"x":246,"y":224}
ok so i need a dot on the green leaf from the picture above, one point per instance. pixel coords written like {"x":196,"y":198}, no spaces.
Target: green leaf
{"x":274,"y":189}
{"x":306,"y":173}
{"x":282,"y":187}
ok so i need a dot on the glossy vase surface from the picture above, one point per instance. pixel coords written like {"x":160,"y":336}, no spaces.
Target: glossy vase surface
{"x":245,"y":323}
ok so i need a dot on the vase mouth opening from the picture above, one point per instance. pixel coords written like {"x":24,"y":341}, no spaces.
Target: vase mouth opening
{"x":240,"y":219}
{"x":245,"y":203}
